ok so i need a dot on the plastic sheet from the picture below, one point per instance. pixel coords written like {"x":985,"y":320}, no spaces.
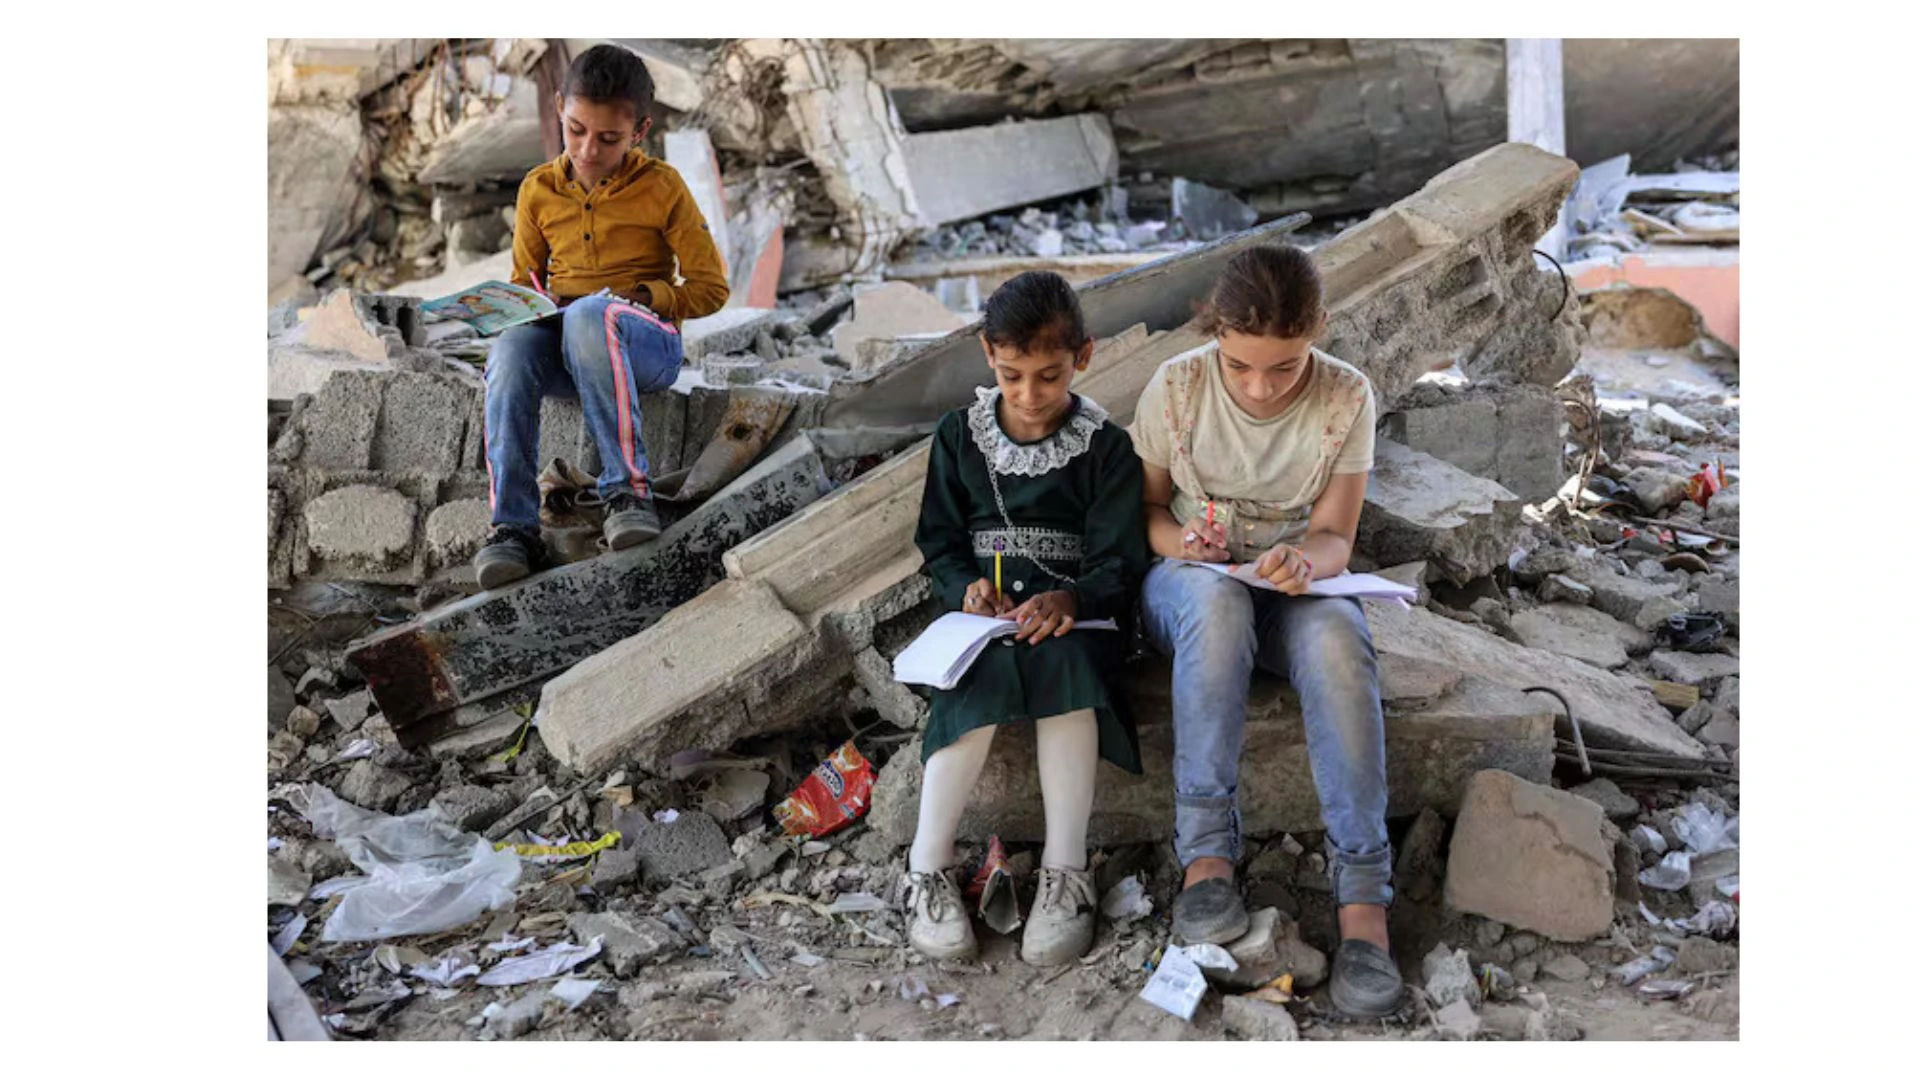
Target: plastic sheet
{"x":423,"y":874}
{"x":1670,"y":874}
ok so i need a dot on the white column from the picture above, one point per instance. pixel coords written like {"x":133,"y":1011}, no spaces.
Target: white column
{"x":1536,"y":111}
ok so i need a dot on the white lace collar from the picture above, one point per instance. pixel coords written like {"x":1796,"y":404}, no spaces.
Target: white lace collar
{"x":1007,"y":457}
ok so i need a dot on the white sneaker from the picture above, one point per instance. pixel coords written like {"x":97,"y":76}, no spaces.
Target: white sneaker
{"x":937,"y":922}
{"x":1060,"y":928}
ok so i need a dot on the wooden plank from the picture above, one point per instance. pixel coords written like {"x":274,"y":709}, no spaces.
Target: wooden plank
{"x":1675,"y":695}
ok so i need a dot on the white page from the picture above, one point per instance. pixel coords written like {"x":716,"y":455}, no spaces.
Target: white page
{"x":946,"y":649}
{"x":1363,"y":586}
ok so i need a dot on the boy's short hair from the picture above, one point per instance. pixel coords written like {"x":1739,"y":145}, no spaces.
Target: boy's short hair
{"x":611,"y":73}
{"x":1032,"y":312}
{"x":1269,"y":290}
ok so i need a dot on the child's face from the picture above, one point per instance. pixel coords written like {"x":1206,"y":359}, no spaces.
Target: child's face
{"x":1263,"y":372}
{"x":598,"y":135}
{"x":1034,"y":384}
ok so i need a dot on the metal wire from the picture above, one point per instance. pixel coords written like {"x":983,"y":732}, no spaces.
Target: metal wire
{"x":1579,"y":741}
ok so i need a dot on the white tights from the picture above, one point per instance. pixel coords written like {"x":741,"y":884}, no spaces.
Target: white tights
{"x":1069,"y":749}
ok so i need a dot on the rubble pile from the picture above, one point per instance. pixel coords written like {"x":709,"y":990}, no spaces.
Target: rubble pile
{"x":1614,"y":212}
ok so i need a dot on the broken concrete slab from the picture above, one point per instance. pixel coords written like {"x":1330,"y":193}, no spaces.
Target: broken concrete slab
{"x":686,"y":847}
{"x":1579,"y":632}
{"x":473,"y":649}
{"x":1430,"y":752}
{"x":471,"y":807}
{"x":1508,"y":434}
{"x":1635,"y":601}
{"x":629,"y":702}
{"x":455,"y":530}
{"x":1209,"y":213}
{"x":374,"y":787}
{"x":1604,"y":793}
{"x":1420,"y":507}
{"x":961,"y":174}
{"x":894,"y":309}
{"x":1704,"y":670}
{"x":1531,"y":857}
{"x":1257,"y":1020}
{"x":728,"y":330}
{"x":1614,"y":711}
{"x":630,"y":940}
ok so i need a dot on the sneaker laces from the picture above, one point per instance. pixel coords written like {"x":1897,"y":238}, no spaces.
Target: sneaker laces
{"x":1059,"y":891}
{"x":622,"y":501}
{"x":939,"y":892}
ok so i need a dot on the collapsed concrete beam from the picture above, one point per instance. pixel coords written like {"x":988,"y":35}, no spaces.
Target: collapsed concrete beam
{"x":499,"y":640}
{"x":1419,"y":507}
{"x":963,"y":173}
{"x":1437,"y":736}
{"x":913,"y":392}
{"x":1508,"y":434}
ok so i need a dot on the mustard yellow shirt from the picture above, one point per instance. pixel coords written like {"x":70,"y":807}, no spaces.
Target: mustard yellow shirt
{"x":624,"y":234}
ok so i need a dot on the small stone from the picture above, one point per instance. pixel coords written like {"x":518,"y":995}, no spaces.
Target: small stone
{"x":1695,"y":717}
{"x":615,"y":868}
{"x":1505,"y":1022}
{"x":1448,"y":974}
{"x":372,"y":786}
{"x":303,"y":722}
{"x":728,"y":938}
{"x":1270,"y":948}
{"x":629,"y":941}
{"x":1722,"y":730}
{"x":1613,"y":802}
{"x":1487,"y":933}
{"x":1704,"y":670}
{"x":1566,"y":967}
{"x":283,"y":748}
{"x":519,"y":1017}
{"x":1526,"y":969}
{"x":1559,"y":588}
{"x":687,"y":846}
{"x":350,"y":711}
{"x":1698,"y":955}
{"x":1252,"y":1018}
{"x":1523,"y":943}
{"x":1457,"y":1020}
{"x":1656,"y":490}
{"x":471,"y":807}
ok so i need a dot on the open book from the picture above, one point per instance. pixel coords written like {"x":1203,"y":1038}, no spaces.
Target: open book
{"x":1358,"y":586}
{"x":944,"y":651}
{"x":491,"y":307}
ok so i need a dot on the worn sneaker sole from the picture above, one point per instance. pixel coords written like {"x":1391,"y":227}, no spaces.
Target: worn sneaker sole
{"x":966,"y":950}
{"x":1061,"y":950}
{"x":630,"y":536}
{"x":500,"y":572}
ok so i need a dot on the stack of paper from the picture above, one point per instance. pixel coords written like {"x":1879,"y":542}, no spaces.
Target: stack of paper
{"x":944,"y":651}
{"x":1358,"y":586}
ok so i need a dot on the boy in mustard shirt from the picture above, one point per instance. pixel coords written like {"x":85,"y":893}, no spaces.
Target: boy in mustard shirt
{"x":599,"y":230}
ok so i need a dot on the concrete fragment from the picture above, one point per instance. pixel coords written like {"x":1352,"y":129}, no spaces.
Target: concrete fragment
{"x":494,"y":733}
{"x":287,"y":884}
{"x":627,"y":941}
{"x":518,"y":1017}
{"x":1674,"y":423}
{"x":374,"y":787}
{"x":687,"y":846}
{"x":1722,"y":730}
{"x":360,"y":523}
{"x":1559,"y":588}
{"x":1643,"y":604}
{"x":1270,"y":948}
{"x":1419,"y":507}
{"x":1613,"y":711}
{"x":1577,"y":632}
{"x":1699,"y":955}
{"x":1507,"y":434}
{"x":895,"y":703}
{"x":1566,"y":967}
{"x":1457,"y":1020}
{"x":1604,"y":793}
{"x":471,"y":807}
{"x":892,"y":310}
{"x":349,"y":711}
{"x":627,"y":702}
{"x":311,"y":151}
{"x":1657,"y":490}
{"x":280,"y":700}
{"x":1263,"y":1021}
{"x":728,"y":330}
{"x":1413,"y":575}
{"x":1704,"y":670}
{"x":455,"y":530}
{"x":1209,"y":213}
{"x":960,"y":174}
{"x":1448,"y":975}
{"x":615,"y":868}
{"x":1531,"y":857}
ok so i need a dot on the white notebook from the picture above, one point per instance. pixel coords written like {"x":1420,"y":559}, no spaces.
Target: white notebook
{"x":1359,"y":586}
{"x":944,"y":651}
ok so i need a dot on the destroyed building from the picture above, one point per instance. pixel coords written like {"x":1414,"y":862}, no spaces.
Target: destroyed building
{"x":1557,"y":476}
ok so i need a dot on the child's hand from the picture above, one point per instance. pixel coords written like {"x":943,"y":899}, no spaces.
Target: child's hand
{"x":983,"y":599}
{"x":1287,"y":568}
{"x":1203,"y":542}
{"x":1048,"y":615}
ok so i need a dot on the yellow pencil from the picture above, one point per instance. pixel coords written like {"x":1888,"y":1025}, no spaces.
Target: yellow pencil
{"x":996,"y":571}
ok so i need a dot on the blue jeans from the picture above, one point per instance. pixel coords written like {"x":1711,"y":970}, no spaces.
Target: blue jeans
{"x":1216,"y":630}
{"x":604,"y":352}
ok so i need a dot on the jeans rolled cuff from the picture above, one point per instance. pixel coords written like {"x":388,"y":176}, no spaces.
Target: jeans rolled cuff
{"x":1361,"y":878}
{"x":1206,"y":826}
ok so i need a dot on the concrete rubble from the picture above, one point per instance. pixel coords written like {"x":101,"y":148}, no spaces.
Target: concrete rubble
{"x":1538,"y":480}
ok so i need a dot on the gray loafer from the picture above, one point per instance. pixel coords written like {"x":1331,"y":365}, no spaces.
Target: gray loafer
{"x":1209,"y":912}
{"x":1366,"y":982}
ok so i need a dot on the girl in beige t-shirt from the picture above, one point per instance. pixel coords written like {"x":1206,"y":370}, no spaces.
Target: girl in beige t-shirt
{"x":1257,"y":450}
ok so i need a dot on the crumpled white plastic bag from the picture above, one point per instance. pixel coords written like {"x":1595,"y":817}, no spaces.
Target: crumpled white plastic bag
{"x":423,"y":875}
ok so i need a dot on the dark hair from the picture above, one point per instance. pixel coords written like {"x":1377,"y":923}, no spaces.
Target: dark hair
{"x":1034,"y":311}
{"x":1269,"y":290}
{"x":611,"y":73}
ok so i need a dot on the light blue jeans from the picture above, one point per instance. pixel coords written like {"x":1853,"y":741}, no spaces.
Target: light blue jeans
{"x":1217,"y":630}
{"x":604,"y":352}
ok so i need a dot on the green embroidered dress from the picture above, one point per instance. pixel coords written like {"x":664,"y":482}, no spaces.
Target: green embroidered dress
{"x":1072,"y":506}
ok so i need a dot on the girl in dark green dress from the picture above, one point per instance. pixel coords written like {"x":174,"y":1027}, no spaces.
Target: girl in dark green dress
{"x":1037,"y":474}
